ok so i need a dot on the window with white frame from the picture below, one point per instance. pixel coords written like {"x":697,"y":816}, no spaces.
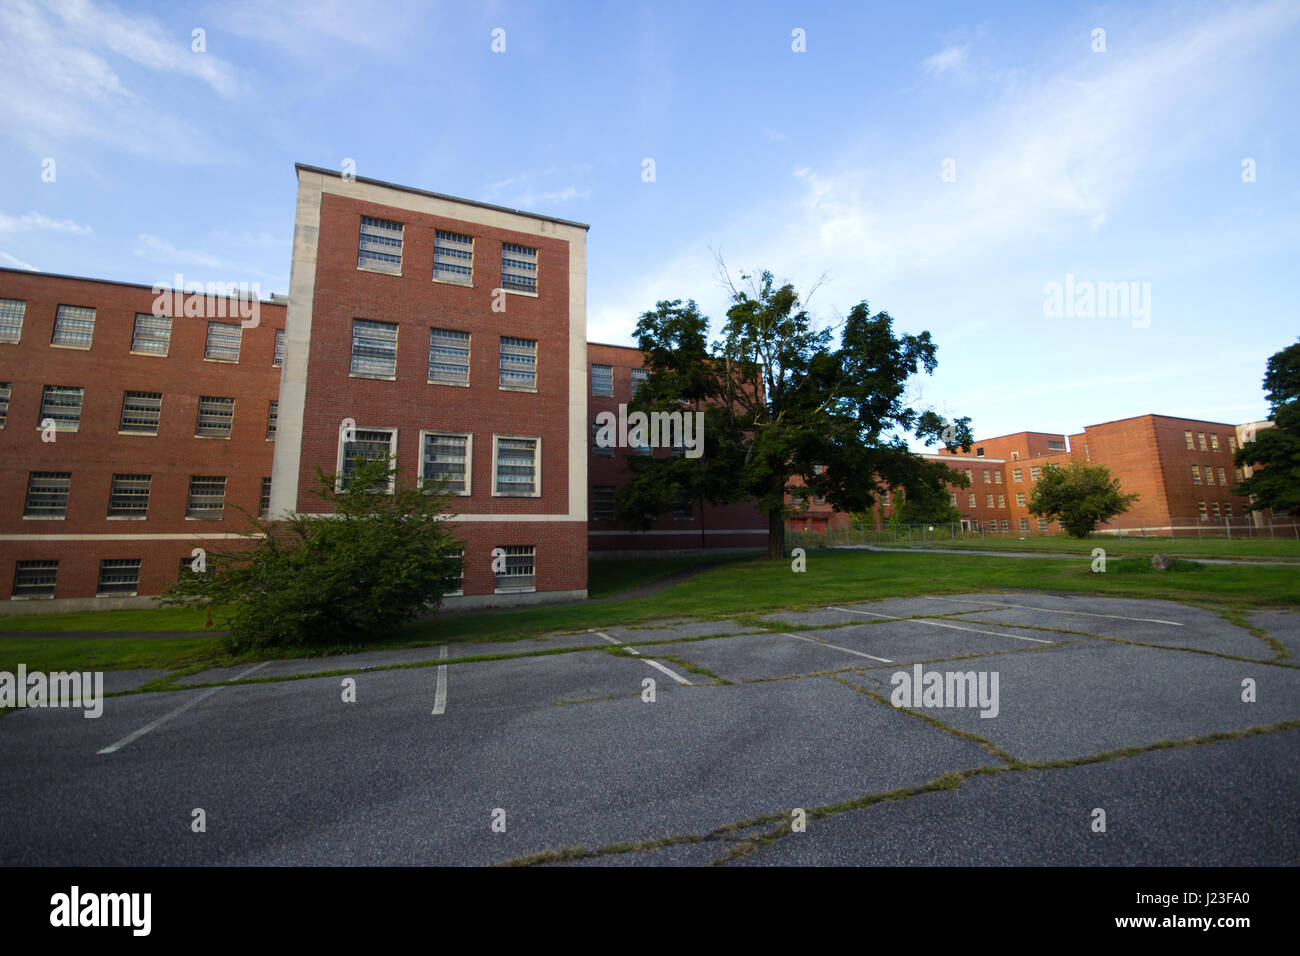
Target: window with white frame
{"x":1209,"y":475}
{"x":990,"y":501}
{"x":448,"y":357}
{"x":380,"y":245}
{"x":216,"y":416}
{"x":518,"y":268}
{"x":458,"y":583}
{"x":47,"y":494}
{"x":1196,"y":474}
{"x":969,"y":475}
{"x":970,"y":501}
{"x":1214,"y":442}
{"x":1004,"y":524}
{"x":35,"y":579}
{"x":1232,"y":443}
{"x":446,"y":458}
{"x":952,"y":499}
{"x":988,"y":478}
{"x":128,"y":496}
{"x":207,"y":497}
{"x":62,"y":404}
{"x":140,"y":413}
{"x":518,"y":363}
{"x":152,"y":334}
{"x":1200,"y":506}
{"x":515,"y":467}
{"x":453,"y":257}
{"x":997,"y":477}
{"x":364,"y":445}
{"x":1055,"y":445}
{"x":1223,"y":478}
{"x":602,"y":503}
{"x":223,"y":342}
{"x":272,"y":419}
{"x":74,"y":327}
{"x":1191,"y":444}
{"x":1043,"y":524}
{"x":1002,"y":501}
{"x":1200,"y":440}
{"x":118,"y":576}
{"x":1020,"y":499}
{"x":1017,"y":474}
{"x":277,"y":357}
{"x":11,"y":320}
{"x":374,"y":348}
{"x":1024,"y":525}
{"x":1035,"y":473}
{"x":519,"y":573}
{"x":264,"y":500}
{"x":602,"y":380}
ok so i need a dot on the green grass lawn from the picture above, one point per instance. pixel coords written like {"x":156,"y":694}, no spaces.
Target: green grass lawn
{"x":1244,"y":548}
{"x":609,"y":576}
{"x":741,"y":589}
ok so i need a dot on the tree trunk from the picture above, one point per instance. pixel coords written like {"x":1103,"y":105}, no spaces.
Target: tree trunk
{"x":775,"y":535}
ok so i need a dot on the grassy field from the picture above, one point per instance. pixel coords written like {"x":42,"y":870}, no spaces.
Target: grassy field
{"x":742,"y":589}
{"x":1245,"y":549}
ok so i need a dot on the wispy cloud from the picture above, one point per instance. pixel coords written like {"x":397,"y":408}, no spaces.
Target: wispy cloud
{"x":947,"y":59}
{"x":530,"y":189}
{"x":17,"y":263}
{"x":29,"y":221}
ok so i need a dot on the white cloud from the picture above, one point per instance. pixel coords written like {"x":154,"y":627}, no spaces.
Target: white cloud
{"x":18,"y":262}
{"x":35,"y":220}
{"x":949,"y":58}
{"x":157,"y":249}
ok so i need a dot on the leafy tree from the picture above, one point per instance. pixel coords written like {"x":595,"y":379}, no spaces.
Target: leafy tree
{"x":779,"y":399}
{"x":927,"y":504}
{"x":1079,"y":496}
{"x":1275,"y":452}
{"x":378,"y":560}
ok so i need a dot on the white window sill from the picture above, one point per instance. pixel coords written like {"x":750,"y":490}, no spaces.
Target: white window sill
{"x":139,"y":434}
{"x":127,"y":517}
{"x":467,"y":284}
{"x":380,"y":272}
{"x":517,"y":388}
{"x":150,"y":354}
{"x":376,"y":378}
{"x":449,"y":384}
{"x":531,"y":590}
{"x":45,"y":517}
{"x":218,"y":361}
{"x":527,"y":295}
{"x":113,"y":594}
{"x":75,"y":348}
{"x":32,"y":597}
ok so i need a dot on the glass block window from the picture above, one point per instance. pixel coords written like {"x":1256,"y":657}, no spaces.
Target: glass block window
{"x":272,"y":420}
{"x":518,"y":268}
{"x":448,"y":357}
{"x":1190,"y":443}
{"x":516,"y":466}
{"x":457,"y":555}
{"x":119,"y":575}
{"x":62,"y":404}
{"x":519,"y":573}
{"x":602,"y":380}
{"x":374,"y":348}
{"x":380,"y":246}
{"x":1223,"y":478}
{"x":639,"y":377}
{"x":599,"y":450}
{"x":368,"y":444}
{"x":152,"y":335}
{"x":453,"y":257}
{"x":128,"y":496}
{"x":207,"y":497}
{"x":1214,"y":443}
{"x":518,"y":363}
{"x":446,"y":459}
{"x":5,"y":391}
{"x":140,"y":413}
{"x":602,"y":503}
{"x":216,"y":415}
{"x":35,"y":579}
{"x":47,"y":494}
{"x":223,"y":342}
{"x":74,"y":326}
{"x":264,"y":500}
{"x":277,"y":358}
{"x":1196,"y":475}
{"x":11,"y":319}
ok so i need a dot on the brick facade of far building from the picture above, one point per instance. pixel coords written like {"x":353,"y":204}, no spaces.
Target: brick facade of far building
{"x":129,"y":438}
{"x":614,"y":372}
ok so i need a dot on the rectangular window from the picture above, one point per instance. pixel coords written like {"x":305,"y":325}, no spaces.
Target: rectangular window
{"x":969,"y":476}
{"x":140,"y":413}
{"x":277,"y":358}
{"x":639,"y":377}
{"x":1043,"y":524}
{"x":518,"y":268}
{"x":223,"y":342}
{"x":374,"y":348}
{"x":1200,"y":440}
{"x":128,"y":496}
{"x":1209,"y":475}
{"x":207,"y":497}
{"x":1214,"y":508}
{"x":118,"y":576}
{"x":35,"y":579}
{"x":1002,"y":501}
{"x":152,"y":335}
{"x":264,"y":500}
{"x":448,"y":357}
{"x":1227,"y":508}
{"x":685,"y":511}
{"x":453,"y":257}
{"x":1035,"y":473}
{"x":380,"y":246}
{"x":1056,"y":446}
{"x":5,"y":392}
{"x":987,"y":477}
{"x":1214,"y":442}
{"x":602,"y":380}
{"x":639,"y":448}
{"x":599,"y":450}
{"x":1196,"y":475}
{"x":62,"y":405}
{"x":446,"y":458}
{"x":272,"y":420}
{"x":457,"y":555}
{"x":989,"y":502}
{"x":516,"y":466}
{"x":367,"y":444}
{"x":1024,"y":525}
{"x":602,"y":503}
{"x":1190,"y":443}
{"x":997,"y":477}
{"x":952,"y":498}
{"x":1004,"y":524}
{"x":1240,"y":476}
{"x":1200,"y":506}
{"x":216,"y":415}
{"x":1223,"y":479}
{"x":1020,"y":499}
{"x":1017,"y":474}
{"x":519,"y":570}
{"x":518,"y":363}
{"x":47,"y":494}
{"x":74,"y":327}
{"x":1232,"y":443}
{"x":979,"y":452}
{"x":970,"y":501}
{"x":11,"y":320}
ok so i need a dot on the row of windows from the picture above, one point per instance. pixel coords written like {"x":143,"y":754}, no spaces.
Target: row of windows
{"x":121,"y":576}
{"x":128,"y":496}
{"x":1213,"y":445}
{"x":607,"y":451}
{"x":374,"y":355}
{"x":379,"y":247}
{"x":141,"y":412}
{"x":603,"y":507}
{"x":1209,"y":473}
{"x":74,"y":327}
{"x":448,"y":457}
{"x":1214,"y":506}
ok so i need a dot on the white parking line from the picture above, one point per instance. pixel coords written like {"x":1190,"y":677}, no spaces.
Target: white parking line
{"x":1052,"y":610}
{"x":849,"y":610}
{"x":114,"y":748}
{"x":655,"y":664}
{"x":883,"y":660}
{"x":440,"y":695}
{"x":955,"y":627}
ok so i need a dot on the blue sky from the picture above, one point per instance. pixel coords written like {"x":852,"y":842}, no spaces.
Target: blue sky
{"x":1121,"y":165}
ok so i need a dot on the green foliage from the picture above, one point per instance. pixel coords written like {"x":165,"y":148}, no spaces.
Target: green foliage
{"x":1080,"y":497}
{"x":378,"y":560}
{"x":781,"y":400}
{"x":927,"y":503}
{"x":1143,"y":566}
{"x":1275,"y":452}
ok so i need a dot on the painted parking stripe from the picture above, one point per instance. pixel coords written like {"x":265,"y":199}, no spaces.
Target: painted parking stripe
{"x":955,"y":627}
{"x":440,"y":695}
{"x":1052,"y":610}
{"x":655,"y":664}
{"x":630,"y":650}
{"x":114,"y":748}
{"x":846,"y":650}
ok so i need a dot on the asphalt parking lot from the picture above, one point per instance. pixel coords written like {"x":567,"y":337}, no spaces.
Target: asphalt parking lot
{"x":556,"y":755}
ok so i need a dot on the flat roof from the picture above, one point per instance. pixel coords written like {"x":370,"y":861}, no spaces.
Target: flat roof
{"x":425,"y":192}
{"x":132,"y":285}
